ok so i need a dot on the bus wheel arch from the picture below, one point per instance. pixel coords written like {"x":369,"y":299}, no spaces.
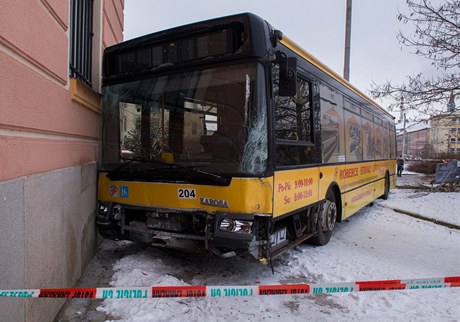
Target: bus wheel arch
{"x":334,"y":189}
{"x":330,"y":213}
{"x":387,"y":186}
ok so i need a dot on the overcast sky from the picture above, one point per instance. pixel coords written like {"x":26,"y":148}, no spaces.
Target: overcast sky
{"x":317,"y":26}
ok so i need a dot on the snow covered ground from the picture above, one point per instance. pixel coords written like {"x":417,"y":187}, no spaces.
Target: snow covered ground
{"x":443,"y":206}
{"x":375,"y":244}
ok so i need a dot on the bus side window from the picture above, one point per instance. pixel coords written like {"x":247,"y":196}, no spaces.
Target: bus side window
{"x":293,"y":124}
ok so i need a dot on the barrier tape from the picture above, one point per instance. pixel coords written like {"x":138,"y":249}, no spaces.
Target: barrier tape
{"x":234,"y":291}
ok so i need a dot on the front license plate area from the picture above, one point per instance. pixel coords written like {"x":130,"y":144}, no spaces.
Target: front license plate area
{"x":278,"y":238}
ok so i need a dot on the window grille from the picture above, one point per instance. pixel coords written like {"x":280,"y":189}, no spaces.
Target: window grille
{"x":81,"y":34}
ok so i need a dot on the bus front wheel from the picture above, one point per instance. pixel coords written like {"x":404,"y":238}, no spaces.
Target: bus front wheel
{"x":326,"y":220}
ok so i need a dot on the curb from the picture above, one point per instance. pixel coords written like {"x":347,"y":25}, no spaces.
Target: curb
{"x":418,"y":216}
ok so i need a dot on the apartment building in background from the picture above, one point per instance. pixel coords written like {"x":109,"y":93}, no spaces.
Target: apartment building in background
{"x":417,"y":136}
{"x":445,"y":133}
{"x":427,"y":139}
{"x":50,"y":128}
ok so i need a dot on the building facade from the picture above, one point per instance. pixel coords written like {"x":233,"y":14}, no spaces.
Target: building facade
{"x":417,"y":137}
{"x":50,"y":128}
{"x":428,"y":139}
{"x":445,"y":133}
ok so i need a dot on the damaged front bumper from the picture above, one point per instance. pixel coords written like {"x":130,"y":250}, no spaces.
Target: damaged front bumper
{"x":222,"y":234}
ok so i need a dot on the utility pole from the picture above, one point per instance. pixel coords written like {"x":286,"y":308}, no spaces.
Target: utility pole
{"x":346,"y":67}
{"x":403,"y":113}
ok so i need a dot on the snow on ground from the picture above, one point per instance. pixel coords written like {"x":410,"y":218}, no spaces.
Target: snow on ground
{"x":375,"y":244}
{"x":443,"y":206}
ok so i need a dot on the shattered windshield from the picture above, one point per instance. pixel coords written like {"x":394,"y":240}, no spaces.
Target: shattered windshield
{"x":214,"y":120}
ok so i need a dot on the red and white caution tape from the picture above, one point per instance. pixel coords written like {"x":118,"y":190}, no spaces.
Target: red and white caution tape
{"x":234,"y":291}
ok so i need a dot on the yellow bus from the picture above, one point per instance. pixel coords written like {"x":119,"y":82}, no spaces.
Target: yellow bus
{"x":226,"y":137}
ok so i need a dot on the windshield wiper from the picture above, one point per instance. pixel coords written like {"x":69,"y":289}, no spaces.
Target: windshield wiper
{"x":140,"y":159}
{"x":215,"y":177}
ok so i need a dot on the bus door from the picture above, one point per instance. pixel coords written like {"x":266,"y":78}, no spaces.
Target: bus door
{"x":295,"y":182}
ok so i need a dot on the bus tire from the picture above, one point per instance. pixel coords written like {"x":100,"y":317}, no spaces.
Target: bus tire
{"x":110,"y":232}
{"x":387,"y":187}
{"x":326,"y":221}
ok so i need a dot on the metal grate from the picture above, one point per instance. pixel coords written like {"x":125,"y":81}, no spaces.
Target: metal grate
{"x":81,"y":34}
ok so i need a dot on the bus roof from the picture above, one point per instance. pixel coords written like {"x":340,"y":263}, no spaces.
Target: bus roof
{"x":256,"y":46}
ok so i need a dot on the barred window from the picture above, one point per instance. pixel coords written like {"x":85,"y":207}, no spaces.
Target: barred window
{"x":81,"y":33}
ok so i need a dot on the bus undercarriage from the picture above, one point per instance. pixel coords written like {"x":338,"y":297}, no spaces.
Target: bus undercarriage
{"x":222,"y":234}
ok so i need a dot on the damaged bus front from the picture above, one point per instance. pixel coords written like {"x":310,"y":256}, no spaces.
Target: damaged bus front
{"x":185,"y":159}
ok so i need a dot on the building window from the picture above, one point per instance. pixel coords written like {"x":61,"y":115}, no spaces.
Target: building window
{"x":81,"y":34}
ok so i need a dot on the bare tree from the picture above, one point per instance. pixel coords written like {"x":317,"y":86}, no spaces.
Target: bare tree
{"x":437,"y":38}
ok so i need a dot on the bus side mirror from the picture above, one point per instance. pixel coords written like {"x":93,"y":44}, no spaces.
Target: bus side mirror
{"x":288,"y":74}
